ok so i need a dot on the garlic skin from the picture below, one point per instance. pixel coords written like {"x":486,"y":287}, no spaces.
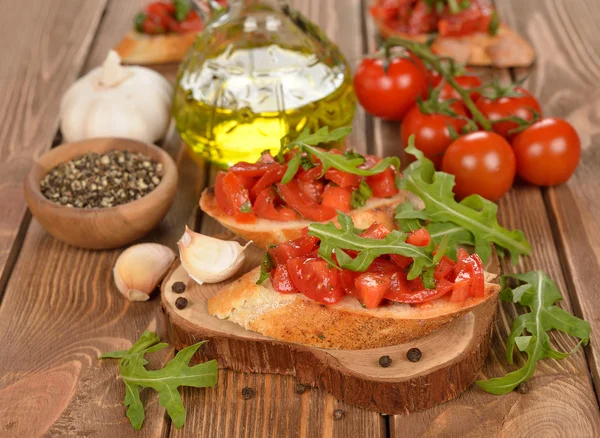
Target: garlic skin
{"x":117,"y":101}
{"x":140,"y":268}
{"x":207,"y":259}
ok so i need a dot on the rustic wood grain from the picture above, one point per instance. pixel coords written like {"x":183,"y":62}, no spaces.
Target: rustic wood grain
{"x":38,"y":64}
{"x":544,"y":410}
{"x":566,"y":78}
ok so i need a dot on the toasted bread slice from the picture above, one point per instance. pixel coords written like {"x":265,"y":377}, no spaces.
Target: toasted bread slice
{"x":266,"y":232}
{"x":345,"y":325}
{"x":139,"y":48}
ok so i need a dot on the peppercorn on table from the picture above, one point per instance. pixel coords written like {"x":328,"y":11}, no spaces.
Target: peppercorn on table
{"x":59,"y":307}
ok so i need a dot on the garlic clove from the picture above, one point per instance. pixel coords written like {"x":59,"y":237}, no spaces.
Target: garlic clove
{"x":140,"y":268}
{"x":207,"y":259}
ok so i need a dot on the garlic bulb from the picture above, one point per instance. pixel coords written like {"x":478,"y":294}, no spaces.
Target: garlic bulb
{"x":117,"y":101}
{"x":209,"y":260}
{"x":140,"y":268}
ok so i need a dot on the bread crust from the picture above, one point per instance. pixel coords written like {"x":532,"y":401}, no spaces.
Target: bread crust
{"x":266,"y":232}
{"x":345,"y":325}
{"x":505,"y":49}
{"x":139,"y":48}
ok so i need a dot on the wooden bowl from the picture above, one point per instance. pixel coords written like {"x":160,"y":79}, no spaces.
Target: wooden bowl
{"x":101,"y":228}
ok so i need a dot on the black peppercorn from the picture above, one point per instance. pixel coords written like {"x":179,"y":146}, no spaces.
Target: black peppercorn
{"x":300,"y":388}
{"x":523,"y":388}
{"x":178,"y":287}
{"x":385,"y":361}
{"x":247,"y":393}
{"x":181,"y":303}
{"x":338,"y":414}
{"x":414,"y":355}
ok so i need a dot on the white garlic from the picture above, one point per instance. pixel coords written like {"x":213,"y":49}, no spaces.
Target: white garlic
{"x":140,"y":268}
{"x":207,"y":259}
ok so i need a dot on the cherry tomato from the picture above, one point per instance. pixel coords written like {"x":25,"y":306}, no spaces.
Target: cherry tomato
{"x":303,"y":204}
{"x":483,"y":163}
{"x":264,"y":206}
{"x":467,"y":81}
{"x":431,"y":132}
{"x":337,"y":198}
{"x":521,"y":106}
{"x":281,"y":280}
{"x":390,"y":95}
{"x":547,"y":152}
{"x":300,"y":247}
{"x":232,"y":197}
{"x":383,"y":184}
{"x":371,"y":287}
{"x":315,"y":279}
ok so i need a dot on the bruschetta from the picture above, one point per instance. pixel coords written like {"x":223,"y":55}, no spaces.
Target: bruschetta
{"x":298,"y":296}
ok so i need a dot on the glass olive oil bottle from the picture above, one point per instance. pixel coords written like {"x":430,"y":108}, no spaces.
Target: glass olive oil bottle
{"x":257,"y":73}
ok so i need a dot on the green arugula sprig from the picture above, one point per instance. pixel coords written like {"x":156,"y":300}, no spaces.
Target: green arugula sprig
{"x":472,"y":221}
{"x":176,"y":373}
{"x":334,"y":240}
{"x":538,"y":293}
{"x":348,"y":162}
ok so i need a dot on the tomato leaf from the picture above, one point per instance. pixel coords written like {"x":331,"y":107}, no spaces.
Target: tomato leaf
{"x":304,"y":146}
{"x":361,"y":195}
{"x":334,"y":240}
{"x":539,"y":294}
{"x":176,"y":373}
{"x":474,"y":214}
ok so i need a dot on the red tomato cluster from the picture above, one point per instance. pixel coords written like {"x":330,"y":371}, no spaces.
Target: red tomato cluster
{"x":299,"y":269}
{"x":160,"y":17}
{"x":251,"y":190}
{"x":542,"y":151}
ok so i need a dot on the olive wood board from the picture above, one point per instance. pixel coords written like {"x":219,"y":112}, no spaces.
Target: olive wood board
{"x":452,"y":356}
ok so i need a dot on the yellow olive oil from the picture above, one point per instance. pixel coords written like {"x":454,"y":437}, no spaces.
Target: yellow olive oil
{"x":243,"y":101}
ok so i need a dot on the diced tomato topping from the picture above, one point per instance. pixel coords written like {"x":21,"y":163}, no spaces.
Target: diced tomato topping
{"x":337,"y":198}
{"x":371,"y":287}
{"x":281,"y":280}
{"x":302,"y":203}
{"x":250,"y":169}
{"x":316,"y":280}
{"x":247,"y":181}
{"x":401,"y":261}
{"x":343,"y":179}
{"x":468,"y":277}
{"x":402,"y":290}
{"x":444,"y":269}
{"x":375,"y":231}
{"x":233,"y":199}
{"x":383,"y":184}
{"x":311,"y":174}
{"x":347,"y":279}
{"x":266,"y":158}
{"x":419,"y":237}
{"x":383,"y":266}
{"x":312,"y":189}
{"x":271,"y":176}
{"x":300,"y":247}
{"x":264,"y":206}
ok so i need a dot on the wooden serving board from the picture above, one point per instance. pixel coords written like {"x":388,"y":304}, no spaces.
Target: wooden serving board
{"x":452,"y":356}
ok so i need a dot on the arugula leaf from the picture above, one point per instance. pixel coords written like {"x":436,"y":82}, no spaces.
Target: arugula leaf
{"x":538,"y":293}
{"x":335,"y":240}
{"x":176,"y":373}
{"x":474,"y":214}
{"x":182,"y":9}
{"x":361,"y":195}
{"x":346,"y":162}
{"x":265,"y":268}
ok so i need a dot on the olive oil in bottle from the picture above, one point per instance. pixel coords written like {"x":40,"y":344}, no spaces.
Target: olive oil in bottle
{"x":255,"y":79}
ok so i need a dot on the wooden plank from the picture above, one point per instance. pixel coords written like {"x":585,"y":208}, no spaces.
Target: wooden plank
{"x":276,"y":409}
{"x":560,"y":396}
{"x":37,"y":66}
{"x":61,"y":310}
{"x":567,"y":41}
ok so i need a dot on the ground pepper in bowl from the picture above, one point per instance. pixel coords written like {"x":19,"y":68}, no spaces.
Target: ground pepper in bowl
{"x":102,"y":180}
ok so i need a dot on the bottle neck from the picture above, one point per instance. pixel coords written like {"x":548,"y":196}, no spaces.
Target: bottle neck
{"x":215,"y":12}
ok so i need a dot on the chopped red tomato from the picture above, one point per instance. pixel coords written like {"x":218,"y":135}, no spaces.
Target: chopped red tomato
{"x":347,"y":279}
{"x":272,"y":175}
{"x":247,"y":181}
{"x":266,"y":158}
{"x":250,"y":169}
{"x":337,"y":198}
{"x":469,"y":280}
{"x":281,"y":281}
{"x":312,"y":189}
{"x":375,"y":231}
{"x":300,"y":247}
{"x":402,"y":290}
{"x":382,"y":265}
{"x":343,"y":179}
{"x":444,"y":269}
{"x":311,"y":174}
{"x":233,"y":199}
{"x":302,"y":203}
{"x":264,"y":206}
{"x":316,"y":280}
{"x":401,"y":261}
{"x":371,"y":287}
{"x":383,"y":184}
{"x":419,"y":237}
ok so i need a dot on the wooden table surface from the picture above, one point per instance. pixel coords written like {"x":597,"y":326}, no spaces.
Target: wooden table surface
{"x":59,"y":308}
